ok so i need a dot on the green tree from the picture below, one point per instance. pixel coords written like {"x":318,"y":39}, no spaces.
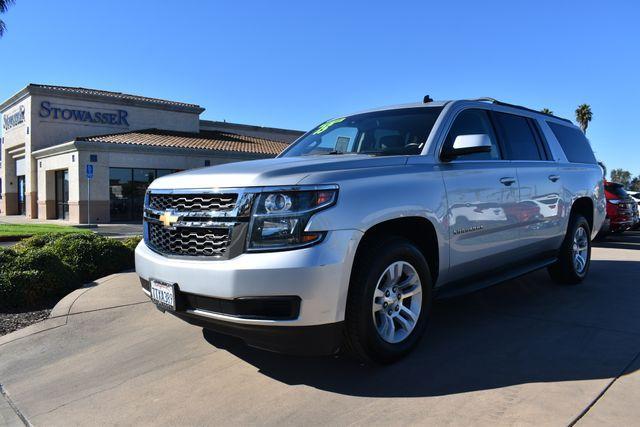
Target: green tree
{"x":634,"y":185}
{"x":546,"y":111}
{"x":4,"y":5}
{"x":621,"y":176}
{"x":584,"y":116}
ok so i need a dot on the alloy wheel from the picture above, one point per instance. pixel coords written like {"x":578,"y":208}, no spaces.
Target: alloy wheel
{"x":397,"y":302}
{"x":580,"y":249}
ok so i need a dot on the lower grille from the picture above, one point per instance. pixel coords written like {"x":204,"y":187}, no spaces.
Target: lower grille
{"x":210,"y":242}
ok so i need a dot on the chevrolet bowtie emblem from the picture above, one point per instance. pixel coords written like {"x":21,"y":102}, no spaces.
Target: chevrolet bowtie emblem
{"x":168,"y":218}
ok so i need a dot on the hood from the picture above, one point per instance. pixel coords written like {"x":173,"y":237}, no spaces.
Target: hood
{"x":268,"y":172}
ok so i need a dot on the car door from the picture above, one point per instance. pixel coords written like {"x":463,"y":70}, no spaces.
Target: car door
{"x":539,"y":212}
{"x":481,"y":190}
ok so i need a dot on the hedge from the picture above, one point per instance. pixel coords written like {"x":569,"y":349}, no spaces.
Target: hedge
{"x":46,"y":267}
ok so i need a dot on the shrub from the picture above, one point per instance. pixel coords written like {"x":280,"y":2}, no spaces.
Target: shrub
{"x":49,"y":266}
{"x":132,"y":242}
{"x":34,"y":276}
{"x":6,"y":257}
{"x":91,"y":256}
{"x":82,"y":253}
{"x":38,"y":241}
{"x":114,"y":256}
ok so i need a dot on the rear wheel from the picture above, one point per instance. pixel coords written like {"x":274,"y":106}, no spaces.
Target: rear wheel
{"x":389,"y":300}
{"x":575,"y":253}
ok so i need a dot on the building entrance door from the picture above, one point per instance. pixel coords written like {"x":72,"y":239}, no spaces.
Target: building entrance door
{"x":21,"y":196}
{"x":62,"y":194}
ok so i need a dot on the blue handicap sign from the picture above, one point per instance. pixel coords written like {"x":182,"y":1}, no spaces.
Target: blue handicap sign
{"x":89,"y":171}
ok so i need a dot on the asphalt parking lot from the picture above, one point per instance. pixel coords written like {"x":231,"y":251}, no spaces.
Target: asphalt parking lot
{"x":526,"y":352}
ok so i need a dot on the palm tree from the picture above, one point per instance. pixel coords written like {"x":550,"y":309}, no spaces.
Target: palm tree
{"x":584,"y":116}
{"x":4,"y":5}
{"x":546,"y":111}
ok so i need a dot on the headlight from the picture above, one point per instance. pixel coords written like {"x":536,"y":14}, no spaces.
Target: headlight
{"x":280,"y":217}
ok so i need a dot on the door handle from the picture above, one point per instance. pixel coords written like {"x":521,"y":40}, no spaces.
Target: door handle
{"x":553,"y":178}
{"x":507,"y":180}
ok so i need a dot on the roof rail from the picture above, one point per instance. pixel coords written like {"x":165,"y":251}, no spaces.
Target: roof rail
{"x":520,"y":107}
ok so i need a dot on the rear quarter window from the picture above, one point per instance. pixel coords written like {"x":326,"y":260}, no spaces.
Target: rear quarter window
{"x":574,"y":144}
{"x":518,"y":137}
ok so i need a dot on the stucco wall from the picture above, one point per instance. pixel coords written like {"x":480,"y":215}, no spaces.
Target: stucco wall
{"x":13,"y":138}
{"x":46,"y":127}
{"x":48,"y":131}
{"x":75,"y":157}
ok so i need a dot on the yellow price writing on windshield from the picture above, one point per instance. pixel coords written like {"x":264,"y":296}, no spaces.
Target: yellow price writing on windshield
{"x":326,"y":125}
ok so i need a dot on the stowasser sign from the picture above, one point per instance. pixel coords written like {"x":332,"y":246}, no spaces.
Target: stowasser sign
{"x":69,"y":113}
{"x":13,"y":119}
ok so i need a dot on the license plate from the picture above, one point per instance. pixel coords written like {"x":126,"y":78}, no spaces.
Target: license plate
{"x":163,"y":294}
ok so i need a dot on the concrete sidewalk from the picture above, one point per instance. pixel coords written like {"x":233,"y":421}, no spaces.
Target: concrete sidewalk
{"x":526,"y":352}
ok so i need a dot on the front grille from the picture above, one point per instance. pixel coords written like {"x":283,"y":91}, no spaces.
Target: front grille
{"x":193,"y":202}
{"x":208,"y":242}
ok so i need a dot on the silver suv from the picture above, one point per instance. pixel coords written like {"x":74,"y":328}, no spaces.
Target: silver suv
{"x":345,"y":239}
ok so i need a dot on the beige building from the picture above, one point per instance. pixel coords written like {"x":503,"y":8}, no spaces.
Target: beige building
{"x":54,"y":137}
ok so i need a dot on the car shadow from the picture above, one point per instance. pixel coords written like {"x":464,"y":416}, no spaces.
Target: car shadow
{"x":626,"y":240}
{"x":527,"y":330}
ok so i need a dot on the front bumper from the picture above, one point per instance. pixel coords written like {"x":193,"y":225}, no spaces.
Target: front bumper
{"x":318,"y":275}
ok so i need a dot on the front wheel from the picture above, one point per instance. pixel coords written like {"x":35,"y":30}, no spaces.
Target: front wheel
{"x":574,"y":257}
{"x":389,"y":300}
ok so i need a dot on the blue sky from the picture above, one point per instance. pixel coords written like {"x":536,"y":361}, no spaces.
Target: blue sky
{"x":294,"y":64}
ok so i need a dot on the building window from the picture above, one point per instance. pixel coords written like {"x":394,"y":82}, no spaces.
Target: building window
{"x":207,"y":162}
{"x":127,"y":187}
{"x":93,"y":158}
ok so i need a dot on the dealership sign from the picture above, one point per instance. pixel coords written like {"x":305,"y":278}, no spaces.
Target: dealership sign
{"x":13,"y":119}
{"x":69,"y":113}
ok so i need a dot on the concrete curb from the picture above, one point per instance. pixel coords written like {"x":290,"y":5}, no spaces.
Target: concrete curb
{"x":63,"y":307}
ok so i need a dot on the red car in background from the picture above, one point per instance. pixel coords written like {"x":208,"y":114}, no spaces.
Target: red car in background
{"x":620,"y":208}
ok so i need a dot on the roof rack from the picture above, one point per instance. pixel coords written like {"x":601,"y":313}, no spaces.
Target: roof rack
{"x":520,"y":107}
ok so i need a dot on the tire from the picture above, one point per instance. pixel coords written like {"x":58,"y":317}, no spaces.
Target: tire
{"x":567,"y":270}
{"x":365,"y":315}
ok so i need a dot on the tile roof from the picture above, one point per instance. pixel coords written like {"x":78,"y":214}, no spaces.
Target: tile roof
{"x":81,"y":91}
{"x":205,"y":140}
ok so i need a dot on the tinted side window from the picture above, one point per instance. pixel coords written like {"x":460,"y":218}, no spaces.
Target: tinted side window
{"x":517,"y":136}
{"x":473,"y":122}
{"x":574,"y":143}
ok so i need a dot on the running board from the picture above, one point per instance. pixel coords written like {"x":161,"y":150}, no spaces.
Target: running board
{"x":468,"y":285}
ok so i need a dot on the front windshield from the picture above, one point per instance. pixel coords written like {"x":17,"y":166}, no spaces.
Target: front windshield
{"x":391,"y":132}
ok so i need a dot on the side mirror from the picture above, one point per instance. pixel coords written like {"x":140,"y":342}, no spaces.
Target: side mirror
{"x":468,"y":144}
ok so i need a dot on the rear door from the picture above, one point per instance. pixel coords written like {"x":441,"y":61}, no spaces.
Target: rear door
{"x":481,"y":190}
{"x":538,"y":212}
